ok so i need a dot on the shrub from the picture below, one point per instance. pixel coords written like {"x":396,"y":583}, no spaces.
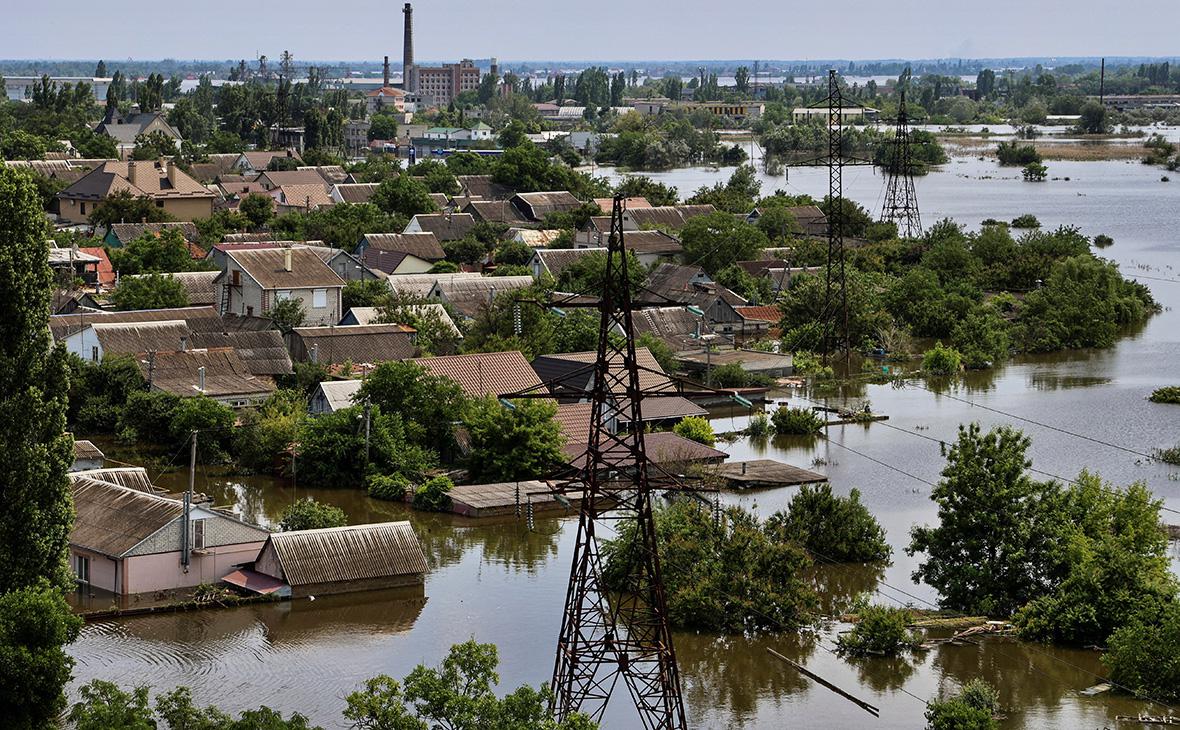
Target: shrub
{"x":1169,"y":394}
{"x":1142,"y":655}
{"x":510,"y":444}
{"x":835,"y":528}
{"x":695,"y":428}
{"x":147,"y":415}
{"x":390,"y":487}
{"x":974,"y":708}
{"x":1103,"y":241}
{"x":1169,"y":456}
{"x":940,"y":360}
{"x":308,"y":514}
{"x":879,"y":630}
{"x":796,"y":422}
{"x":733,"y":375}
{"x":1034,"y":172}
{"x":213,"y":421}
{"x":759,"y":426}
{"x":1028,"y":220}
{"x":808,"y":363}
{"x":433,"y":495}
{"x":1014,"y":153}
{"x":266,"y":433}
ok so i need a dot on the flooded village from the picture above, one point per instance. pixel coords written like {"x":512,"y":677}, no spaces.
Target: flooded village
{"x":574,"y":395}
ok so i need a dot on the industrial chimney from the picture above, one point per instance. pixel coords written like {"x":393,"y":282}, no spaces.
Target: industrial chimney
{"x":409,"y":83}
{"x":385,"y":75}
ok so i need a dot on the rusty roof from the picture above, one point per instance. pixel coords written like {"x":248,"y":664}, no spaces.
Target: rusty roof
{"x":367,"y":343}
{"x":267,"y":267}
{"x":423,"y":245}
{"x":607,"y":204}
{"x":111,"y":520}
{"x":763,"y":313}
{"x":355,"y":552}
{"x":302,"y":195}
{"x":484,"y":373}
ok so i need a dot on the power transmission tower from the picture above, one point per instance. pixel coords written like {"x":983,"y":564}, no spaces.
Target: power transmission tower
{"x":607,"y":635}
{"x":901,"y":199}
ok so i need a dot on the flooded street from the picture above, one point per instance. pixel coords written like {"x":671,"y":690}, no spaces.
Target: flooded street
{"x":499,"y":583}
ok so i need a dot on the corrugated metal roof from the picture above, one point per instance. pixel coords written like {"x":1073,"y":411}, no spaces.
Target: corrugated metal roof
{"x":356,"y":552}
{"x":199,"y":319}
{"x":111,"y":519}
{"x":367,"y":343}
{"x":84,"y":449}
{"x":496,"y":211}
{"x":537,"y":205}
{"x":267,"y":267}
{"x":557,"y":260}
{"x":419,"y":285}
{"x":356,"y":192}
{"x":423,"y":245}
{"x":370,"y":315}
{"x":127,"y":232}
{"x":668,"y":216}
{"x":225,"y":374}
{"x":132,"y":338}
{"x":445,"y":226}
{"x":484,"y":373}
{"x":131,"y":477}
{"x":339,"y":393}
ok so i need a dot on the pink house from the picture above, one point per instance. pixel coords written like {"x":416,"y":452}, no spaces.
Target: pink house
{"x":130,"y":541}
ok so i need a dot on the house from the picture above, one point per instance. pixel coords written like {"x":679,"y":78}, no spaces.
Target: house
{"x":219,"y":164}
{"x":757,"y":320}
{"x":496,"y":211}
{"x":482,"y":374}
{"x":691,"y":286}
{"x":664,"y":448}
{"x":99,"y":340}
{"x":256,"y":161}
{"x":650,"y":247}
{"x":354,"y":193}
{"x":532,"y":237}
{"x":86,"y":456}
{"x":333,"y":395}
{"x":608,"y":204}
{"x":370,"y":315}
{"x":363,"y":344}
{"x":346,"y":265}
{"x":217,"y":373}
{"x":678,"y":327}
{"x":666,"y":217}
{"x":218,"y":252}
{"x":198,"y":319}
{"x":302,"y":198}
{"x":553,"y":261}
{"x":535,"y":206}
{"x":422,"y":246}
{"x":128,"y":541}
{"x":104,"y":274}
{"x":121,"y":234}
{"x":811,"y":220}
{"x":253,"y":281}
{"x":271,"y":179}
{"x":161,"y":181}
{"x":444,"y":226}
{"x":384,"y":99}
{"x":331,"y":174}
{"x":123,"y":129}
{"x":469,"y":296}
{"x":483,"y":186}
{"x":198,"y":286}
{"x":394,"y":262}
{"x":343,"y":559}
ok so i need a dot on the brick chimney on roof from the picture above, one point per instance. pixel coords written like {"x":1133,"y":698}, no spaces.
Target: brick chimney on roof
{"x":132,"y":173}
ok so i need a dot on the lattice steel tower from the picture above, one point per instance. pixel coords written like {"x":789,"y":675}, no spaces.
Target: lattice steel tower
{"x":901,"y":200}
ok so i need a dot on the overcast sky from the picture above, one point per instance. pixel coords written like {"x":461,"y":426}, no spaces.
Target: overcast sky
{"x":599,"y":29}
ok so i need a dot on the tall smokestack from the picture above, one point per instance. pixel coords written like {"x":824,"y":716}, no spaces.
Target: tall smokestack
{"x":386,"y":74}
{"x":408,"y":81}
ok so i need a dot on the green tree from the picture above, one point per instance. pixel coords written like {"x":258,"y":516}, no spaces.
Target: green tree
{"x":162,"y":252}
{"x":287,"y":314}
{"x":367,"y":293}
{"x":104,"y":706}
{"x":942,"y":360}
{"x":153,"y":146}
{"x":429,"y":404}
{"x":35,"y":621}
{"x":696,"y":429}
{"x":796,"y":422}
{"x":985,"y":556}
{"x":974,"y":708}
{"x":835,"y":528}
{"x":18,"y":144}
{"x":718,"y":240}
{"x":459,"y":695}
{"x":258,"y":209}
{"x":981,"y":338}
{"x":403,"y":195}
{"x":878,"y":631}
{"x":382,"y":126}
{"x":1142,"y":653}
{"x":309,"y":514}
{"x":332,"y":448}
{"x":123,"y":207}
{"x":433,"y":495}
{"x":149,"y":291}
{"x":268,"y":432}
{"x":587,"y":275}
{"x":213,"y":421}
{"x":512,"y":443}
{"x":641,"y":186}
{"x":1093,"y":118}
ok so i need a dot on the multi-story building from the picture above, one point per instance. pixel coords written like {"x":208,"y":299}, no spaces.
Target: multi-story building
{"x":441,"y":84}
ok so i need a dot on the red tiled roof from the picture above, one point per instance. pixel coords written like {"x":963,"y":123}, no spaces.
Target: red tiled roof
{"x":765,"y":313}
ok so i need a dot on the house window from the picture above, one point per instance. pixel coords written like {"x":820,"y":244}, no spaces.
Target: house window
{"x":249,"y":311}
{"x":319,"y":298}
{"x":82,"y":210}
{"x":159,"y":203}
{"x":82,"y":568}
{"x":199,"y":534}
{"x":236,"y":277}
{"x":282,"y":295}
{"x":94,"y":353}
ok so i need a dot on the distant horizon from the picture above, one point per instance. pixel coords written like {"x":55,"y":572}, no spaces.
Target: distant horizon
{"x":644,"y":32}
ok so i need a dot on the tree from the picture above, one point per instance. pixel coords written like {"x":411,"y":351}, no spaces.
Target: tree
{"x":100,"y":71}
{"x":878,"y":631}
{"x":1142,"y":653}
{"x":985,"y":557}
{"x":18,"y":144}
{"x":696,"y":429}
{"x":103,"y":706}
{"x":332,"y":450}
{"x":403,"y":195}
{"x":722,"y":575}
{"x":742,"y":79}
{"x":837,"y":529}
{"x":309,"y":514}
{"x":287,"y":314}
{"x":512,"y":443}
{"x":35,"y":621}
{"x":718,"y":240}
{"x":163,"y":252}
{"x":641,"y":186}
{"x":796,"y":422}
{"x":123,"y":207}
{"x":382,"y":126}
{"x":587,"y":275}
{"x":153,"y":146}
{"x":213,"y":421}
{"x":974,"y":708}
{"x":149,"y":291}
{"x":269,"y":431}
{"x":429,"y":404}
{"x":1034,"y":172}
{"x":1093,"y":118}
{"x":258,"y":209}
{"x":458,"y":695}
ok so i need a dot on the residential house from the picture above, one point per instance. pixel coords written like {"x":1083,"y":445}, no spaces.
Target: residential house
{"x":347,"y":266}
{"x":340,"y":559}
{"x":263,"y":352}
{"x":650,"y":247}
{"x":128,"y":541}
{"x":253,"y":281}
{"x":553,"y":261}
{"x":496,"y":211}
{"x":385,"y":99}
{"x":482,"y":374}
{"x":69,"y":264}
{"x":666,"y":217}
{"x":86,"y":456}
{"x":532,"y":237}
{"x":331,"y":174}
{"x":665,"y":448}
{"x":104,"y":274}
{"x":394,"y":262}
{"x":423,"y":246}
{"x":811,"y":220}
{"x":302,"y":198}
{"x":271,"y":179}
{"x":98,"y":339}
{"x":123,"y":129}
{"x":370,"y":315}
{"x":691,"y":286}
{"x":470,"y":296}
{"x":419,"y":286}
{"x":608,"y":204}
{"x":677,"y":327}
{"x":444,"y":226}
{"x":121,"y":234}
{"x":256,"y":161}
{"x":361,"y":345}
{"x":162,"y":182}
{"x":217,"y":373}
{"x":483,"y":186}
{"x":535,"y":206}
{"x":354,"y":193}
{"x":198,"y":319}
{"x":333,"y":395}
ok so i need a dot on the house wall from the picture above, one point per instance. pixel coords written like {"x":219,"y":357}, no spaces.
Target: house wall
{"x":220,"y":532}
{"x":74,"y":210}
{"x":188,"y":209}
{"x":413,"y":265}
{"x":163,"y":571}
{"x":105,"y":572}
{"x":349,"y":586}
{"x":82,"y":344}
{"x":268,"y":562}
{"x":349,"y":268}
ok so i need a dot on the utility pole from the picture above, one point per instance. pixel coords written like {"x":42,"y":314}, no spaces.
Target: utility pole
{"x":368,"y":409}
{"x":185,"y":526}
{"x":1102,"y":82}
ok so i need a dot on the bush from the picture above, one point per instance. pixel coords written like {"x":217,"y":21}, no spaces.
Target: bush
{"x":1034,"y":172}
{"x":147,"y":415}
{"x":719,"y":575}
{"x":974,"y":708}
{"x":796,"y":422}
{"x":269,"y":431}
{"x":1169,"y":394}
{"x":1028,"y":220}
{"x":390,"y":487}
{"x":1103,"y":241}
{"x":808,"y":363}
{"x":213,"y":422}
{"x":332,"y":448}
{"x":759,"y":426}
{"x":1142,"y":655}
{"x":510,"y":444}
{"x":1014,"y":153}
{"x":433,"y":495}
{"x":940,"y":360}
{"x":879,"y":630}
{"x":835,"y":528}
{"x":308,"y":514}
{"x":695,"y":428}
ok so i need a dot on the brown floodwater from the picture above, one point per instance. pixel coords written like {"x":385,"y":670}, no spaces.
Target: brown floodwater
{"x":500,"y":583}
